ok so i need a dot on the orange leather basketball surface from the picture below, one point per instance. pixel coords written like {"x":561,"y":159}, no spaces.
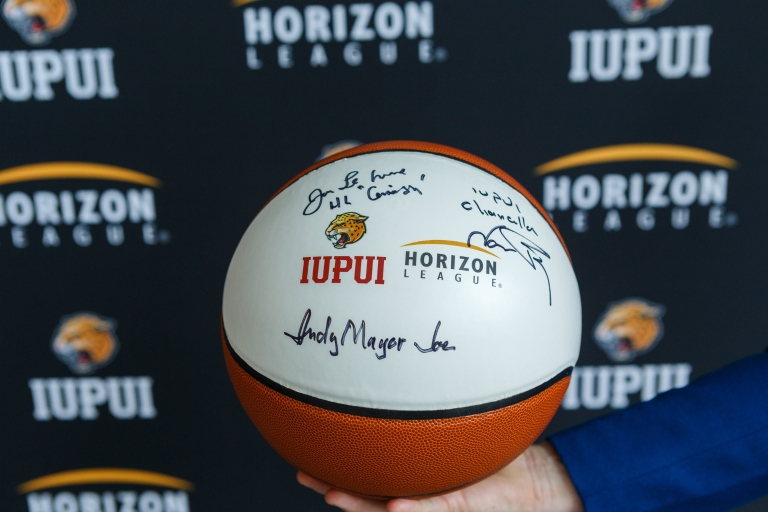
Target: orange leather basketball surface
{"x":385,"y":458}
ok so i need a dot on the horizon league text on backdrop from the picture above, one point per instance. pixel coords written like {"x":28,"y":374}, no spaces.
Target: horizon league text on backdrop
{"x":677,"y":198}
{"x":64,"y":211}
{"x":25,"y":74}
{"x":106,"y":490}
{"x":320,"y":27}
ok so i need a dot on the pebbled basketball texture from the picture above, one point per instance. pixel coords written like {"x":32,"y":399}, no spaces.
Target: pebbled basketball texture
{"x":393,"y":458}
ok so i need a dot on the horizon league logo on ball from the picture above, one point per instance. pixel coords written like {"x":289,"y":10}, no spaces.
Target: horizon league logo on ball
{"x":607,"y":55}
{"x":114,"y":490}
{"x":87,"y":73}
{"x":627,"y":329}
{"x":676,"y":186}
{"x":351,"y":35}
{"x":82,"y":204}
{"x":86,"y":342}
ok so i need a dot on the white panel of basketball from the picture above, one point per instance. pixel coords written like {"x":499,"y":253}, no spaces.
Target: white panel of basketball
{"x":506,"y":336}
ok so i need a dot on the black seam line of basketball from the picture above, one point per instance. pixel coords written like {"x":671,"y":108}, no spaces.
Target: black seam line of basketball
{"x":390,"y":413}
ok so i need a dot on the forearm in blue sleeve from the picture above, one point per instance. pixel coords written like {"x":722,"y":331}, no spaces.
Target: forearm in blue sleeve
{"x":702,"y":448}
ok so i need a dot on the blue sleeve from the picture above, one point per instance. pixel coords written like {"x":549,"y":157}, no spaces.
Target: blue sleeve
{"x":702,"y":448}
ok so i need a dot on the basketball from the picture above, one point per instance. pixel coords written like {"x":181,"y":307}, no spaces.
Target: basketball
{"x":401,"y":319}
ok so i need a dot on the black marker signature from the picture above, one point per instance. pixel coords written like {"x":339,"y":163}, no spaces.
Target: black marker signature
{"x":511,"y":241}
{"x":436,"y":345}
{"x":375,"y":176}
{"x":316,"y":198}
{"x":496,"y":197}
{"x":405,"y":189}
{"x":349,"y":180}
{"x":466,"y":205}
{"x":383,"y":344}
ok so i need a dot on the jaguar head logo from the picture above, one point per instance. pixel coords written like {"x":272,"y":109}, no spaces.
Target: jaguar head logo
{"x":346,"y":229}
{"x":37,"y":21}
{"x":85,"y":341}
{"x":337,"y":147}
{"x":638,"y":11}
{"x":629,"y":328}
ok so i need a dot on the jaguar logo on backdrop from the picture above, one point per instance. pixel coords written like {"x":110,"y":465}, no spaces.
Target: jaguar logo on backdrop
{"x":627,"y":329}
{"x":638,"y":186}
{"x":87,"y":342}
{"x":44,"y":74}
{"x":106,"y":489}
{"x":77,"y":204}
{"x":638,"y":11}
{"x":37,"y":21}
{"x":319,"y":36}
{"x":606,"y":55}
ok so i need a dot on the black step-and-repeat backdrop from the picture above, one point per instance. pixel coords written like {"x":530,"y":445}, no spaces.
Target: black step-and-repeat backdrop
{"x":140,"y":140}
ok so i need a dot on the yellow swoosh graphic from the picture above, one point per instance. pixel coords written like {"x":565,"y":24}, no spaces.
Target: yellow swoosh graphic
{"x":636,"y":152}
{"x":450,"y":242}
{"x":104,"y":476}
{"x":238,"y":3}
{"x":75,"y":170}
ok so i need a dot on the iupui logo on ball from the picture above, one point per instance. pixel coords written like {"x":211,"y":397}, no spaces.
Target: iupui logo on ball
{"x":643,"y":186}
{"x":87,"y":73}
{"x":86,"y":342}
{"x":628,"y":329}
{"x":78,"y":204}
{"x":107,"y":490}
{"x":345,"y":229}
{"x":604,"y":55}
{"x":354,"y":34}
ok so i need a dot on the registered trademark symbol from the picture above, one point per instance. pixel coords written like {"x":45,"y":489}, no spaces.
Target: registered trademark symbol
{"x":164,"y":236}
{"x":441,"y":54}
{"x":499,"y":285}
{"x":731,"y":219}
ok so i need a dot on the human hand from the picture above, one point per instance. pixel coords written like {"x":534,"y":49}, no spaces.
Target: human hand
{"x":536,"y":481}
